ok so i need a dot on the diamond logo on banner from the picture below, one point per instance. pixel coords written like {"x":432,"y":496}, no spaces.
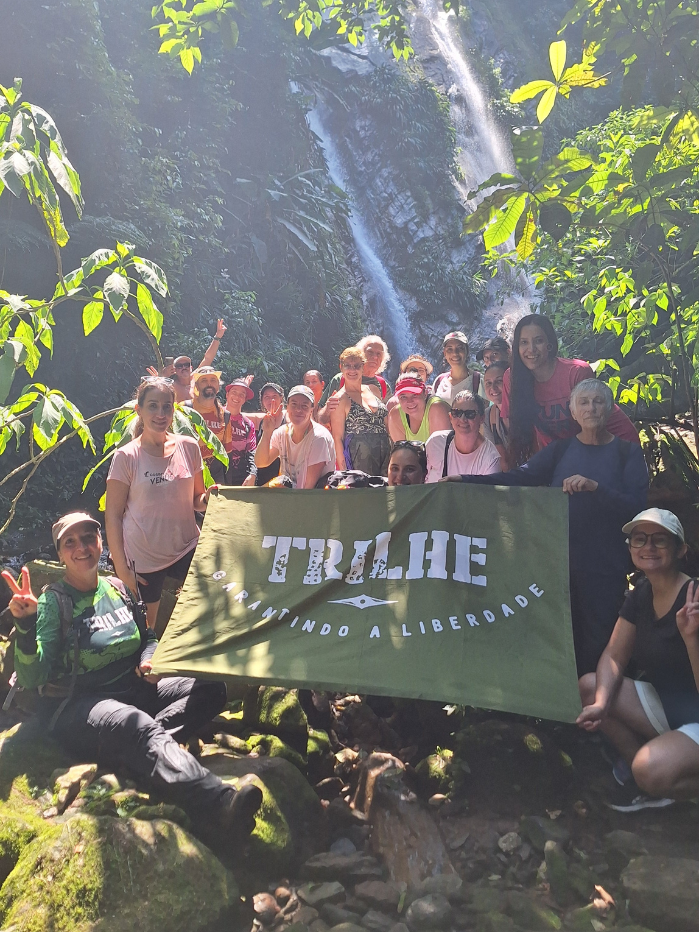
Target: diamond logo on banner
{"x":361,"y":601}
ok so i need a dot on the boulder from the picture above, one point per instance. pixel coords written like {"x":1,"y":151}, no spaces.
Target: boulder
{"x":530,"y":915}
{"x":378,"y":895}
{"x":448,"y":885}
{"x":663,"y":892}
{"x":540,"y":830}
{"x":335,"y":915}
{"x":67,"y":783}
{"x":291,"y":823}
{"x":28,"y":759}
{"x":375,"y":921}
{"x":428,"y":912}
{"x":317,"y":894}
{"x":275,"y":710}
{"x":115,"y":875}
{"x":355,"y":867}
{"x":620,"y":847}
{"x":15,"y":835}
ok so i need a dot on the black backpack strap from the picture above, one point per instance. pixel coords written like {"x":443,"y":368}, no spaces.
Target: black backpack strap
{"x":448,"y":443}
{"x":476,"y":381}
{"x":65,"y":610}
{"x":136,"y":606}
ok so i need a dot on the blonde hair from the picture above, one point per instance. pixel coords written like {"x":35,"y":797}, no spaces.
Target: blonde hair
{"x":352,"y":352}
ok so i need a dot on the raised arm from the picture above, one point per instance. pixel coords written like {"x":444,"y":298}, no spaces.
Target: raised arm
{"x":688,"y":626}
{"x":266,"y":454}
{"x":210,"y":354}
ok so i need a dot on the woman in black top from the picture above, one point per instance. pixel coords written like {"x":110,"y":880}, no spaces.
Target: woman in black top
{"x":654,"y":721}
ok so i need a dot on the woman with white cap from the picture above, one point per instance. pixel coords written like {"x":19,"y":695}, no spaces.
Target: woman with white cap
{"x":305,"y":448}
{"x":653,"y":722}
{"x":459,"y":378}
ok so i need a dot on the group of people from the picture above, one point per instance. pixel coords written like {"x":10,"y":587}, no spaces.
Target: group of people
{"x":526,"y":416}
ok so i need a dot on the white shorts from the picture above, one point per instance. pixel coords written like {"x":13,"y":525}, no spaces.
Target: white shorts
{"x":653,"y":707}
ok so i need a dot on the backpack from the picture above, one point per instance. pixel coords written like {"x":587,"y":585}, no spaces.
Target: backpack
{"x":68,"y":632}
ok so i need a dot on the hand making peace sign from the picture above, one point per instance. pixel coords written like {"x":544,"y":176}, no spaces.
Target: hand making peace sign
{"x":23,"y":601}
{"x":274,"y":419}
{"x":688,"y":616}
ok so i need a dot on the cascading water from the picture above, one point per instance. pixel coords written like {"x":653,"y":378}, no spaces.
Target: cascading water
{"x":483,"y":151}
{"x":388,"y":305}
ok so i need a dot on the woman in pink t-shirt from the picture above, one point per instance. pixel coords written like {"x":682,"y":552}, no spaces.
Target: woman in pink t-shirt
{"x":154,"y":486}
{"x":536,"y":392}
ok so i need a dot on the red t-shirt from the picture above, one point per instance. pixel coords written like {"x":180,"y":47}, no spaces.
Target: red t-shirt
{"x":554,"y":421}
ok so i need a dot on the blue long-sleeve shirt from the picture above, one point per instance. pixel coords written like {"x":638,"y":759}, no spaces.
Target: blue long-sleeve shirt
{"x":597,"y":543}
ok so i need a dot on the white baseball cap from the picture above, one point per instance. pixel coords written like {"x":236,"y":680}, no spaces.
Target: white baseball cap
{"x":302,"y":390}
{"x":664,"y":519}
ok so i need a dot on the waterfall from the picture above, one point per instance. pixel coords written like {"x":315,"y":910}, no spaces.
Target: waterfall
{"x":483,"y":151}
{"x":388,"y":305}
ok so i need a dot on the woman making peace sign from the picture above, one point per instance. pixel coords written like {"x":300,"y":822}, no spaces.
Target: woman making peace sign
{"x":654,"y":722}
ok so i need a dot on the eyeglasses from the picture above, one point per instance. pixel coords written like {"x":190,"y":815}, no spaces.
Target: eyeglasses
{"x":638,"y":539}
{"x":183,"y":365}
{"x":160,"y":379}
{"x":470,"y":415}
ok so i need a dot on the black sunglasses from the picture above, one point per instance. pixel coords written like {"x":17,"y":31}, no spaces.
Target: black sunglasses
{"x":470,"y":415}
{"x":183,"y":365}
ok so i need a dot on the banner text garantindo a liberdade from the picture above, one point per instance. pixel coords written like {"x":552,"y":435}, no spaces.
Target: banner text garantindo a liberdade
{"x":450,"y":592}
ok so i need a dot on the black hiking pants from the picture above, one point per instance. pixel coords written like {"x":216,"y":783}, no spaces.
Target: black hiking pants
{"x":140,"y":730}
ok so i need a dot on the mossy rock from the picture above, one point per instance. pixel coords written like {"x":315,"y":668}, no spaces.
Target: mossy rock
{"x":291,"y":824}
{"x":434,"y":773}
{"x":115,"y":875}
{"x":318,"y":743}
{"x":321,"y":761}
{"x":28,"y":758}
{"x":277,"y":711}
{"x":272,"y":746}
{"x":15,"y":835}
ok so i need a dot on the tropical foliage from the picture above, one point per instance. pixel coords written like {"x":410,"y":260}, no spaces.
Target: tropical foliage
{"x":610,"y":225}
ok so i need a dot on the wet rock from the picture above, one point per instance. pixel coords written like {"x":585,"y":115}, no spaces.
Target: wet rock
{"x":509,"y":843}
{"x":343,"y":846}
{"x":539,"y":830}
{"x":318,"y":926}
{"x":357,"y":867}
{"x":330,"y":788}
{"x":316,"y":894}
{"x":663,"y":892}
{"x":345,"y":927}
{"x":400,"y":927}
{"x":375,"y":921}
{"x":282,"y":895}
{"x":334,"y":915}
{"x":78,"y":871}
{"x":448,"y":885}
{"x":428,"y":912}
{"x":265,"y":907}
{"x":557,"y":873}
{"x":495,"y":922}
{"x":531,"y":915}
{"x":581,"y":919}
{"x":306,"y":915}
{"x":620,"y":847}
{"x":290,"y":823}
{"x":488,"y":900}
{"x":379,"y":895}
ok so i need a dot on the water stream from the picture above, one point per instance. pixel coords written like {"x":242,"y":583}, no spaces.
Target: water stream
{"x":483,"y":150}
{"x":384,"y":299}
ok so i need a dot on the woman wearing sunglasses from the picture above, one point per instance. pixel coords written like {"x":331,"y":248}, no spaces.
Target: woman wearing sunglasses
{"x":654,"y":722}
{"x":606,"y":481}
{"x":462,"y":449}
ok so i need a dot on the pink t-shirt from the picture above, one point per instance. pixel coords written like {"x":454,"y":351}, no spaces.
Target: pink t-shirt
{"x":159,"y":523}
{"x":553,"y":398}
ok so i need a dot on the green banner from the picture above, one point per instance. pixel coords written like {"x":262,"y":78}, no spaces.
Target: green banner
{"x":451,"y":592}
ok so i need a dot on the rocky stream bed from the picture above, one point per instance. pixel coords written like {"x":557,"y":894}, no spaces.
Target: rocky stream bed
{"x":378,"y":816}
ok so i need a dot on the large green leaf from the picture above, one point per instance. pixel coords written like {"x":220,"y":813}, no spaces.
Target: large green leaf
{"x":149,"y":312}
{"x":116,"y":290}
{"x":527,"y":146}
{"x":557,"y":57}
{"x":531,"y":89}
{"x":151,"y":274}
{"x":545,"y":105}
{"x":97,"y":260}
{"x":92,"y":316}
{"x":503,"y":226}
{"x":14,"y":354}
{"x":46,"y":421}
